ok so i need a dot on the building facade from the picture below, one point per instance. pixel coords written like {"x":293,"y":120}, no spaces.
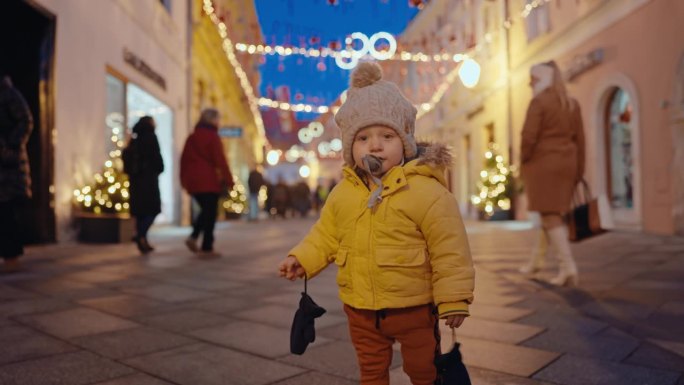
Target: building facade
{"x":622,"y":60}
{"x":89,"y":70}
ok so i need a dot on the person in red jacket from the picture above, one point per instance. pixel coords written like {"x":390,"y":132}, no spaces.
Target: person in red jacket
{"x":204,"y":174}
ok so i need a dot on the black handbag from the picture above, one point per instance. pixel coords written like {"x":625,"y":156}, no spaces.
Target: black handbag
{"x":450,"y":367}
{"x":583,"y":219}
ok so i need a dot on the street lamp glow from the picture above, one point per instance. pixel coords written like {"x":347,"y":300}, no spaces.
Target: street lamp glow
{"x":272,"y":157}
{"x":304,"y":171}
{"x":469,"y":73}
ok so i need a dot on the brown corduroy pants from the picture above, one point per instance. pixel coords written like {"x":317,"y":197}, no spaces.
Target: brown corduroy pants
{"x":374,"y":331}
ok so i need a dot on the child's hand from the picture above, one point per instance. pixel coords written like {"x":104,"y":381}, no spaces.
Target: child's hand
{"x":291,"y":269}
{"x":454,"y":321}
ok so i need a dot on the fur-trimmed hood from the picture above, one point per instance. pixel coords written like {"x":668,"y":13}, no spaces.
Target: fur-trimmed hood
{"x":434,"y":154}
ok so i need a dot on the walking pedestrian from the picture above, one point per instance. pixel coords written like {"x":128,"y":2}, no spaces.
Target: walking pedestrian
{"x":282,"y":198}
{"x":255,"y":181}
{"x":16,"y":123}
{"x":552,"y":157}
{"x":143,"y":163}
{"x":395,"y":233}
{"x":204,"y":174}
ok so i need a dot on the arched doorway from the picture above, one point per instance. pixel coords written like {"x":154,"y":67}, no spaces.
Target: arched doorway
{"x":678,"y":143}
{"x":619,"y":160}
{"x":617,"y":148}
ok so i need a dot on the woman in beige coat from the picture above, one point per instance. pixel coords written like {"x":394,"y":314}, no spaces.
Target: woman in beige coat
{"x":552,"y":156}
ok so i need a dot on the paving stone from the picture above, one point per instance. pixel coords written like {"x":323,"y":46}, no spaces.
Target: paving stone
{"x":674,"y":347}
{"x":572,"y":370}
{"x":337,"y":332}
{"x":91,"y":276}
{"x":76,"y":323}
{"x":69,"y":368}
{"x":20,"y":343}
{"x":32,"y":306}
{"x":271,"y":342}
{"x":131,"y":342}
{"x":672,"y":308}
{"x":204,"y":283}
{"x":511,"y":359}
{"x":183,"y":321}
{"x":136,"y":379}
{"x":9,"y":293}
{"x":609,"y":310}
{"x":648,"y":284}
{"x":498,"y":313}
{"x":550,"y":319}
{"x":487,"y":377}
{"x":282,"y":316}
{"x":654,"y":356}
{"x":126,"y":305}
{"x":224,"y":305}
{"x":313,"y":378}
{"x":660,"y":326}
{"x":169,"y":293}
{"x":609,"y":345}
{"x":335,"y":358}
{"x":211,"y":365}
{"x":497,"y":331}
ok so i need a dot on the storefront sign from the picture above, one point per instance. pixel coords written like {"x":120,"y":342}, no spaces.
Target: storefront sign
{"x":230,"y":132}
{"x":144,"y":68}
{"x":583,"y":63}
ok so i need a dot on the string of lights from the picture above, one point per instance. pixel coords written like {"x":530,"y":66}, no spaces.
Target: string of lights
{"x":468,"y":65}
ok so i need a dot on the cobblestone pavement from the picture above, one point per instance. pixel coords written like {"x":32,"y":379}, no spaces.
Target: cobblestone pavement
{"x":101,"y":314}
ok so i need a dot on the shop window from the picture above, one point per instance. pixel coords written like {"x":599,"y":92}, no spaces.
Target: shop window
{"x":619,"y":151}
{"x":116,"y":110}
{"x":537,"y":22}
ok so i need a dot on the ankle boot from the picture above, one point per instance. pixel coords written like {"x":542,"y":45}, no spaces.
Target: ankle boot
{"x":567,"y":273}
{"x":540,"y":252}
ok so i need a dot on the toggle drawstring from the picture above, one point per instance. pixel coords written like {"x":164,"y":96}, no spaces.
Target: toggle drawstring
{"x":382,"y":313}
{"x":373,"y":166}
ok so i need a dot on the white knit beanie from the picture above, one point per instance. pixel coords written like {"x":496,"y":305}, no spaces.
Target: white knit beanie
{"x":544,"y":75}
{"x":373,"y":101}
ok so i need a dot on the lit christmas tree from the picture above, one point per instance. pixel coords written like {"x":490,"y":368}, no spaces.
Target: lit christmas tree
{"x":109,"y":192}
{"x":495,"y":188}
{"x":236,"y":201}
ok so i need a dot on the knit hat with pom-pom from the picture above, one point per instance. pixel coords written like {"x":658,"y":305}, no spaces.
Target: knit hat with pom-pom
{"x":373,"y":101}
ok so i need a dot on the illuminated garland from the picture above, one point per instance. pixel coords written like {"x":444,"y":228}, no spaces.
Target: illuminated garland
{"x":262,"y":49}
{"x":241,"y":74}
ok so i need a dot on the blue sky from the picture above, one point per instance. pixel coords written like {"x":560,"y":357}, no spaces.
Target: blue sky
{"x":291,"y":21}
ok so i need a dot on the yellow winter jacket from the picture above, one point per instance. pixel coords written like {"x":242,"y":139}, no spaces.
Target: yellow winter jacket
{"x":410,"y":249}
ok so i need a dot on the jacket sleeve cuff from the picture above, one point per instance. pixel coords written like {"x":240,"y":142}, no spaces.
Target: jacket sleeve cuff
{"x":312,"y":266}
{"x":446,"y":309}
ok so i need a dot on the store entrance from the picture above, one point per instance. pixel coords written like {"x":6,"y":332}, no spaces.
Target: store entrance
{"x":27,"y":50}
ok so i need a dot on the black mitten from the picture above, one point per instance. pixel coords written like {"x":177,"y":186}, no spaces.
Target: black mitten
{"x":303,"y":332}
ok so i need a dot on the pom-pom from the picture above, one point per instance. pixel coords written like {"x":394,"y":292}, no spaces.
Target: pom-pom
{"x":365,"y":74}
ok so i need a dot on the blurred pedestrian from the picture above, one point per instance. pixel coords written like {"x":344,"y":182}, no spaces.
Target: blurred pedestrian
{"x":16,"y":124}
{"x":143,"y":163}
{"x":301,"y":198}
{"x":255,"y":181}
{"x":395,"y":233}
{"x":552,"y":157}
{"x":205,"y":174}
{"x":281,"y":199}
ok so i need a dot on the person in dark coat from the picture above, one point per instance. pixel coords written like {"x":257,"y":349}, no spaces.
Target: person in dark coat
{"x":281,"y":198}
{"x":143,"y":163}
{"x":301,"y":198}
{"x":204,"y":174}
{"x":16,"y":123}
{"x":255,"y":182}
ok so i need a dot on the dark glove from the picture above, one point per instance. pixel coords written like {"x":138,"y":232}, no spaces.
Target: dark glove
{"x":303,"y":332}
